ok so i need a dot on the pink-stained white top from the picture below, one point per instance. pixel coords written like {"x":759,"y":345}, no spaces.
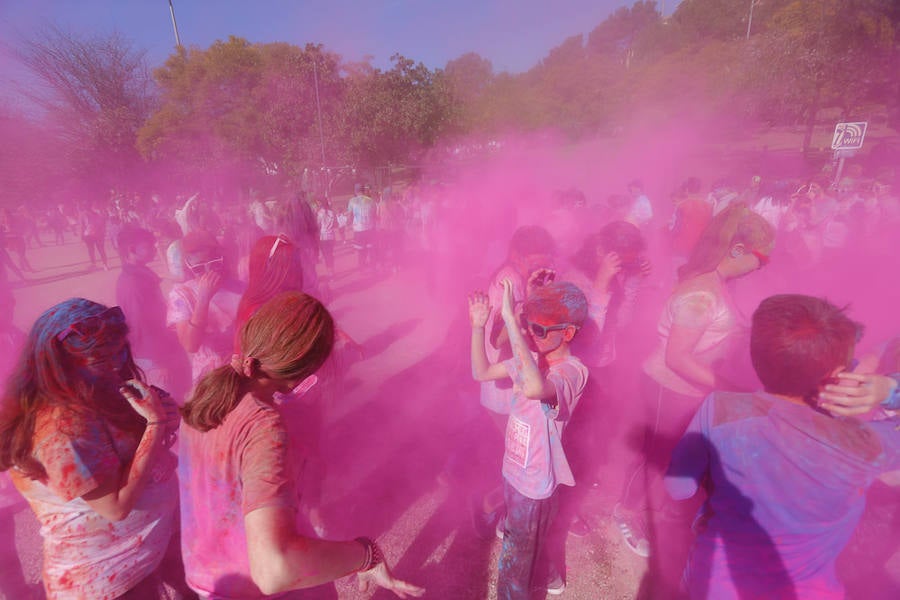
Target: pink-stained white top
{"x":85,"y":555}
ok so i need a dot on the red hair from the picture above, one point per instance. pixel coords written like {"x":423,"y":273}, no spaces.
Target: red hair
{"x":274,"y":268}
{"x":289,"y":337}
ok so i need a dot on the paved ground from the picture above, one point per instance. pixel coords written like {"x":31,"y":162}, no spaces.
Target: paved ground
{"x":401,"y":415}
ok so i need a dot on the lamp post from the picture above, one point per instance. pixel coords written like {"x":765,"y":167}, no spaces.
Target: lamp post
{"x":750,"y":16}
{"x":319,"y":108}
{"x":174,"y":24}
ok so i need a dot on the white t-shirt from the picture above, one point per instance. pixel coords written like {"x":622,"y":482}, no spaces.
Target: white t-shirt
{"x":533,"y":460}
{"x":694,"y":309}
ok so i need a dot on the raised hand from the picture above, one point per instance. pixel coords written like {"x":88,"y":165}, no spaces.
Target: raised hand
{"x":855,"y":393}
{"x":144,"y":400}
{"x":508,"y":310}
{"x":610,"y":265}
{"x":539,"y":278}
{"x":479,"y":309}
{"x":209,"y":284}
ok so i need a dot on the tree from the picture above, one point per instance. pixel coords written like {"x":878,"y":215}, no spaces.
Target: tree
{"x":243,"y":111}
{"x":616,"y":36}
{"x":823,"y":53}
{"x":394,"y":115}
{"x":468,"y":78}
{"x":96,"y":92}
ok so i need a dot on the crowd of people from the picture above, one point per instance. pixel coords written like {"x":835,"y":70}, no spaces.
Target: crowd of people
{"x":163,"y":443}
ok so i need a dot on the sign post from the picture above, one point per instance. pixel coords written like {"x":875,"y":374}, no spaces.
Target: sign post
{"x":848,"y":137}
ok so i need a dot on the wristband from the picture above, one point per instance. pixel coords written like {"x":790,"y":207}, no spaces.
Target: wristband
{"x":373,"y":555}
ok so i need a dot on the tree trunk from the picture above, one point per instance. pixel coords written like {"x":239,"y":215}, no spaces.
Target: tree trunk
{"x":811,"y":111}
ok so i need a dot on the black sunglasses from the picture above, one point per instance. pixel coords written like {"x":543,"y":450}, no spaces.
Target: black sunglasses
{"x":540,"y":331}
{"x":91,"y":326}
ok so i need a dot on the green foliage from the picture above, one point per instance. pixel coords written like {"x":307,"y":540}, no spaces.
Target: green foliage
{"x":249,"y":109}
{"x":391,"y":116}
{"x":821,"y":54}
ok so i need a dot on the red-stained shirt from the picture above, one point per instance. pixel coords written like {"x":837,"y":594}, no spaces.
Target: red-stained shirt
{"x":85,"y":555}
{"x":692,"y":217}
{"x":242,"y":465}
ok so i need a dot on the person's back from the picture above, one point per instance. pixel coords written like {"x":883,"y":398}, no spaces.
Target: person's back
{"x":212,"y":465}
{"x":789,"y":489}
{"x":362,"y":209}
{"x":786,"y":481}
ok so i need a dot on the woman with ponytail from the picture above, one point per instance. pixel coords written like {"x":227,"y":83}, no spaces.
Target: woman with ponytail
{"x":275,"y":267}
{"x":87,"y":442}
{"x":697,"y":331}
{"x":239,"y":475}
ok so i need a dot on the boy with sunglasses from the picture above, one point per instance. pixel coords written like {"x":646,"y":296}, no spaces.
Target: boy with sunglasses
{"x":547,"y":386}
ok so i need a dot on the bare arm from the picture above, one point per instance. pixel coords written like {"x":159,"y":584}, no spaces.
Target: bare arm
{"x":115,"y":497}
{"x":482,"y":369}
{"x":680,"y":356}
{"x":281,"y":560}
{"x":534,"y":385}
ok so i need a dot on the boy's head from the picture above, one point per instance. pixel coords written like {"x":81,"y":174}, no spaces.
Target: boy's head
{"x":531,"y":248}
{"x":553,"y":313}
{"x":136,"y":245}
{"x":797,"y":342}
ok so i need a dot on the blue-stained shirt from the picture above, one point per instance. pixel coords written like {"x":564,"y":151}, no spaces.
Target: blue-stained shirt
{"x":787,"y":488}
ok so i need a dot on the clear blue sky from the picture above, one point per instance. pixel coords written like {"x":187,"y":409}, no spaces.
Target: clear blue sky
{"x":512,"y":34}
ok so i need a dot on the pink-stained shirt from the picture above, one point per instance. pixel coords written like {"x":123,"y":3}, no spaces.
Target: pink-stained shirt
{"x":218,"y":335}
{"x":534,"y":461}
{"x":86,"y":555}
{"x":242,"y":465}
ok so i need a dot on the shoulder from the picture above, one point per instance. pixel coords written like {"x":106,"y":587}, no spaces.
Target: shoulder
{"x":694,"y":297}
{"x":570,"y":364}
{"x":252,"y":414}
{"x":571,"y":369}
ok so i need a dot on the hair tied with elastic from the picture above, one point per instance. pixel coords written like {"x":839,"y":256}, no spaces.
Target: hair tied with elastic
{"x":244,"y":366}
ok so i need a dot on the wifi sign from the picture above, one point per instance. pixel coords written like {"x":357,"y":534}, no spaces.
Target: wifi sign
{"x":849,"y":136}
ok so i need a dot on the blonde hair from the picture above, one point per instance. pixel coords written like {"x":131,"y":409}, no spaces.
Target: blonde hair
{"x":737,"y":224}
